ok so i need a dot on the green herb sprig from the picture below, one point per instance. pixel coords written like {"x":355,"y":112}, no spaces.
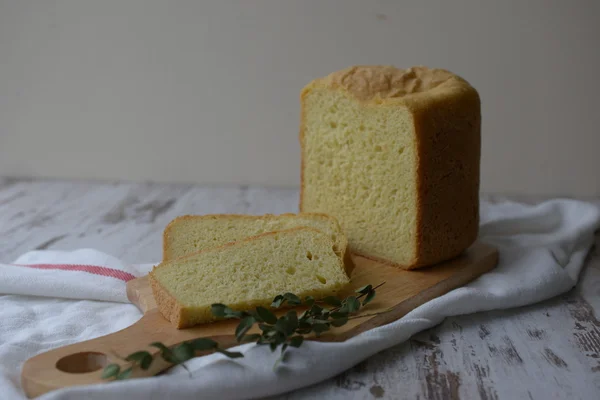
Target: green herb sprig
{"x":288,"y":330}
{"x":175,"y":355}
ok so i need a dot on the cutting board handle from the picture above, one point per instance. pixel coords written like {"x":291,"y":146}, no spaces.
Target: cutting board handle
{"x":82,"y":363}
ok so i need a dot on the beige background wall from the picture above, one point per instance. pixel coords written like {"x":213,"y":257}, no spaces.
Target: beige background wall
{"x":207,"y":91}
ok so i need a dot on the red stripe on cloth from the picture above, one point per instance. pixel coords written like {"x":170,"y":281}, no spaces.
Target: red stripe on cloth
{"x":92,"y":269}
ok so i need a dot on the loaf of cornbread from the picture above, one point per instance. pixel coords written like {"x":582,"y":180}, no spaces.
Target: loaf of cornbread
{"x":248,"y":273}
{"x":394,"y":155}
{"x":191,"y":233}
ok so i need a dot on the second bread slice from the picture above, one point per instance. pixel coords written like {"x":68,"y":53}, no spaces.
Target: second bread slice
{"x":192,"y":233}
{"x":248,"y":273}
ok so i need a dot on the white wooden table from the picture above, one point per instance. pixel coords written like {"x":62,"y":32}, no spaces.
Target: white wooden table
{"x":544,"y":351}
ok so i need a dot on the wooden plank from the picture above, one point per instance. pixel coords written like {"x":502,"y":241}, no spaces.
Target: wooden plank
{"x":402,"y":292}
{"x":32,"y":212}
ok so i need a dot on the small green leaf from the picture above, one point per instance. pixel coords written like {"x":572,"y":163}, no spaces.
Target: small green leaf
{"x":254,"y":314}
{"x":332,"y":301}
{"x":292,"y":299}
{"x":230,"y":354}
{"x":304,"y":327}
{"x":303,"y":324}
{"x":296,"y":341}
{"x":137,"y":356}
{"x":338,"y":314}
{"x":277,"y":301}
{"x":169,"y":357}
{"x":165,"y":352}
{"x":369,"y":298}
{"x":159,"y":346}
{"x":309,"y":301}
{"x":320,"y":328}
{"x":265,"y":327}
{"x":352,"y":303}
{"x":183,"y":352}
{"x":282,"y":325}
{"x":292,"y":322}
{"x":203,"y":344}
{"x":125,"y":374}
{"x":273,"y":346}
{"x":243,"y":327}
{"x":278,"y":338}
{"x":110,"y":371}
{"x":266,"y":315}
{"x":315,"y":310}
{"x":339,"y":321}
{"x":146,"y":362}
{"x":364,"y":289}
{"x":219,"y":310}
{"x":143,"y":358}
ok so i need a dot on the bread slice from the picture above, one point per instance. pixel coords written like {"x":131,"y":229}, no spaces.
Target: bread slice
{"x":394,"y":155}
{"x":247,"y":273}
{"x":192,"y":233}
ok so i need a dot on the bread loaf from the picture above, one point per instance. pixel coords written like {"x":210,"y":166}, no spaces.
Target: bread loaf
{"x":248,"y":273}
{"x":394,"y":155}
{"x":192,"y":233}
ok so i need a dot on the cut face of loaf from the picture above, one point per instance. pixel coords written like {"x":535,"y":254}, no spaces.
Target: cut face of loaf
{"x":192,"y":233}
{"x":394,"y":156}
{"x":246,"y":274}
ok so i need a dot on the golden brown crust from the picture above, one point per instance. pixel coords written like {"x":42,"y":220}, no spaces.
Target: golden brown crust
{"x":448,"y":131}
{"x":384,"y":83}
{"x":348,"y":262}
{"x":167,"y":305}
{"x":173,"y":311}
{"x":446,"y":112}
{"x":301,"y":140}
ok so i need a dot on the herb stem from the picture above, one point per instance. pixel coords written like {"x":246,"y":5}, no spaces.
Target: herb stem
{"x":284,"y":331}
{"x":358,"y":297}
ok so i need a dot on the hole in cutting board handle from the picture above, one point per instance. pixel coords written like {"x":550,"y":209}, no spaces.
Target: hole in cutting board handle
{"x":80,"y":363}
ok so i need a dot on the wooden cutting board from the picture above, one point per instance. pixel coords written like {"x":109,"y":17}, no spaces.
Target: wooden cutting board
{"x":82,"y":363}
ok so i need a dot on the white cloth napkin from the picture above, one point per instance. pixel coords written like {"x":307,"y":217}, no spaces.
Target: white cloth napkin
{"x":60,"y":298}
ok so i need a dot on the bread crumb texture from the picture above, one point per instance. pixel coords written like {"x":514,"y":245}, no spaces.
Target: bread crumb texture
{"x":248,"y":273}
{"x":192,"y":233}
{"x":394,"y":154}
